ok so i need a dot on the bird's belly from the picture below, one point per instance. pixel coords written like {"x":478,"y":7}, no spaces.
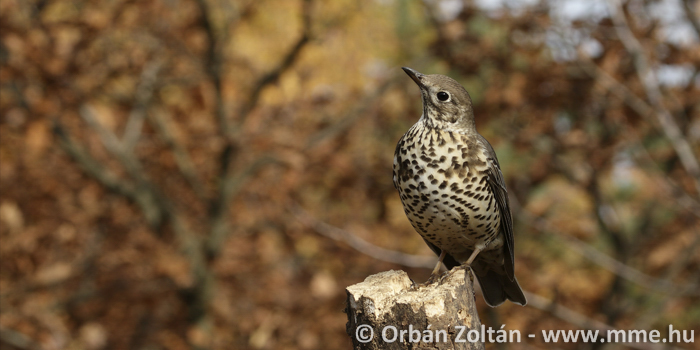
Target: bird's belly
{"x":455,"y":213}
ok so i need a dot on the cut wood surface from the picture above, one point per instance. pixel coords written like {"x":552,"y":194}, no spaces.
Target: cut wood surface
{"x":384,"y":312}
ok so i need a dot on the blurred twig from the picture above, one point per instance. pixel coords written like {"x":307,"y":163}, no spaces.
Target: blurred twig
{"x":144,"y":192}
{"x":288,"y":60}
{"x":161,"y":122}
{"x":143,"y":95}
{"x":651,"y":86}
{"x":360,"y":244}
{"x":213,"y":63}
{"x":17,"y":339}
{"x":107,"y":178}
{"x":112,"y":143}
{"x":214,"y":66}
{"x":89,"y":164}
{"x":219,"y":222}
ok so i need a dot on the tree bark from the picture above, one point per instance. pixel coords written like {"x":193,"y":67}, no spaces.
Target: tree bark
{"x":384,"y":312}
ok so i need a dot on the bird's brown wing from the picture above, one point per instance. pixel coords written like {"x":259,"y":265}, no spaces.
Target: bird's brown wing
{"x":500,"y":193}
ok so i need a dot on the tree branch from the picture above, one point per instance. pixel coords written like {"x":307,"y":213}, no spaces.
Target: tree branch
{"x":229,"y":187}
{"x":274,"y":74}
{"x":145,"y":194}
{"x":143,"y":95}
{"x":91,"y":166}
{"x":213,"y":63}
{"x":113,"y":144}
{"x":360,"y":244}
{"x":17,"y":339}
{"x":161,"y":121}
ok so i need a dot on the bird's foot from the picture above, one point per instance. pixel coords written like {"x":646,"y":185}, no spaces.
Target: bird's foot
{"x":434,"y":277}
{"x":464,"y":267}
{"x":443,"y":276}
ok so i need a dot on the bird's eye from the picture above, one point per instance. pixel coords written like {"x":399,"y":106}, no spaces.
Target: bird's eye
{"x":443,"y":96}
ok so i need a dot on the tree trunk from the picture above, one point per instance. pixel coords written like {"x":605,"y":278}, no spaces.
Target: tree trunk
{"x":385,"y":313}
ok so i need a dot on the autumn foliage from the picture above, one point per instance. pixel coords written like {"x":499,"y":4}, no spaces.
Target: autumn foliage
{"x":210,"y":174}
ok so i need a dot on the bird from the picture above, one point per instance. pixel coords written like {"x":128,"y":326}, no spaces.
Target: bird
{"x":453,"y":192}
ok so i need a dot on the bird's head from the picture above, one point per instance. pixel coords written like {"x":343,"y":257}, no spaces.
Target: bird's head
{"x":446,"y":104}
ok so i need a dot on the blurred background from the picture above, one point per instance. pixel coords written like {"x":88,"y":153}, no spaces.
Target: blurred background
{"x":211,"y":174}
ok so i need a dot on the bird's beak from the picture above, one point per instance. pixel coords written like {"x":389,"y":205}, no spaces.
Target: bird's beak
{"x":415,"y":75}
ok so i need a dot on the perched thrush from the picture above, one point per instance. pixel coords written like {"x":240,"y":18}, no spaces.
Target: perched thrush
{"x":453,"y":191}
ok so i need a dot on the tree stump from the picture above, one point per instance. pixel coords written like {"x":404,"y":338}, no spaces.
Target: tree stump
{"x":385,"y":313}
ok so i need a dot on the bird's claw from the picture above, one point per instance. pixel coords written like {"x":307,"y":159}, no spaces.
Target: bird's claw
{"x":439,"y":278}
{"x":444,"y":276}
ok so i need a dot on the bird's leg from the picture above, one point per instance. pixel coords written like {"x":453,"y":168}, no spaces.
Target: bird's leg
{"x":434,"y":275}
{"x":469,"y":261}
{"x":464,"y":266}
{"x":468,"y":264}
{"x":436,"y":271}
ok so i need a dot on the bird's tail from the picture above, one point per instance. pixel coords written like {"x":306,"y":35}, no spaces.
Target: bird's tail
{"x":497,"y":287}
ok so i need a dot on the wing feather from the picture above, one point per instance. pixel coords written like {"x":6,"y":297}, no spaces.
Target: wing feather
{"x":498,"y":187}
